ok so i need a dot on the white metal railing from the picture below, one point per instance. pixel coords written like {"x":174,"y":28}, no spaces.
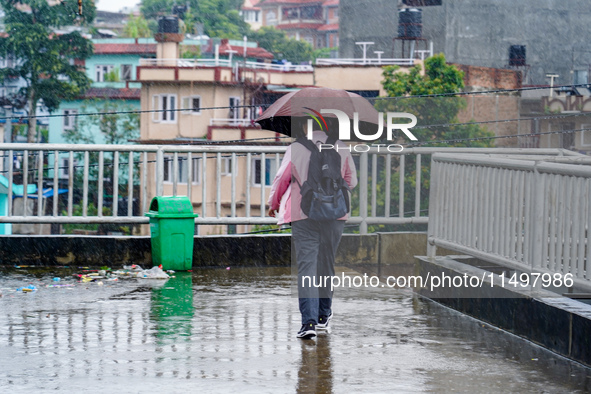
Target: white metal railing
{"x":528,"y":213}
{"x":358,"y":61}
{"x":202,"y":63}
{"x":189,"y":63}
{"x":231,"y":122}
{"x":222,"y":177}
{"x":278,"y":67}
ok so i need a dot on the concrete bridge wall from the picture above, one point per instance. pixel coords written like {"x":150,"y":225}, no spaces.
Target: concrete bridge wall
{"x":373,"y":251}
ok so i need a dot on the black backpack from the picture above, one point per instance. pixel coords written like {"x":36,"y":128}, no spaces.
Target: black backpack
{"x":325,"y":194}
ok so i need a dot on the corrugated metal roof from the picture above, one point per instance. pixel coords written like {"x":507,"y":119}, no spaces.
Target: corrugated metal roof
{"x":112,"y":93}
{"x":122,"y":49}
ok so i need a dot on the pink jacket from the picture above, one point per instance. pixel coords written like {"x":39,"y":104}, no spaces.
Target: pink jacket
{"x":285,"y":194}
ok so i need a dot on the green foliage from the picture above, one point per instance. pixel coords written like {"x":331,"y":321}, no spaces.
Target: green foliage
{"x":112,"y":76}
{"x":220,"y":18}
{"x":322,"y":53}
{"x":270,"y":229}
{"x":43,"y":56}
{"x":115,"y":128}
{"x":283,"y":47}
{"x":137,"y":27}
{"x":439,"y":78}
{"x":92,"y":210}
{"x":190,"y":52}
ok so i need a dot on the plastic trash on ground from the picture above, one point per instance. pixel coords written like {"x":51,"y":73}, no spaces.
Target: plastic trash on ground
{"x":155,"y":273}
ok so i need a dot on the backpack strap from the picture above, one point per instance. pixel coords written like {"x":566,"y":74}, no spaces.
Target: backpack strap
{"x":308,"y":144}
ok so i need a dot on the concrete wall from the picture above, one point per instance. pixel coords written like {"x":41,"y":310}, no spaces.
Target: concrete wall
{"x":186,"y":124}
{"x":480,"y":33}
{"x":371,"y":251}
{"x":556,"y":323}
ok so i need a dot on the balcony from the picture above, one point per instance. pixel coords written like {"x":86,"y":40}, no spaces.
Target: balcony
{"x":224,"y":70}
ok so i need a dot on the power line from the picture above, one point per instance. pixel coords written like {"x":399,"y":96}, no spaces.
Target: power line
{"x":269,"y":104}
{"x":410,"y":145}
{"x":139,"y":111}
{"x":413,"y":144}
{"x":522,"y":89}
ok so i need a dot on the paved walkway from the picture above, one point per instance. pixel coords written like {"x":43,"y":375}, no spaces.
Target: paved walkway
{"x":234,"y":331}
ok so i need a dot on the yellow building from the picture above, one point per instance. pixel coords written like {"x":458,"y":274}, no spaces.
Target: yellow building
{"x":201,"y":101}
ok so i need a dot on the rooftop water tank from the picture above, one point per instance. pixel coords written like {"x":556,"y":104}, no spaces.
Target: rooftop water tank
{"x":168,"y":24}
{"x":410,"y":23}
{"x":517,"y":55}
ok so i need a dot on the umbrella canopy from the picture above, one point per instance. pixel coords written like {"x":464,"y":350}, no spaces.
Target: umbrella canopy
{"x":308,"y":102}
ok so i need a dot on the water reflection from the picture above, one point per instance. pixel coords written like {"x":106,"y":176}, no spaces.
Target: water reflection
{"x":171,"y":307}
{"x":315,"y":372}
{"x":237,"y":334}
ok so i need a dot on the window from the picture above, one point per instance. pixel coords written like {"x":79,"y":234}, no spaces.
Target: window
{"x":64,"y":168}
{"x":271,"y":18}
{"x":69,"y":118}
{"x":309,"y":40}
{"x":226,"y":165}
{"x":183,"y":169}
{"x":251,"y":16}
{"x":290,"y":13}
{"x":567,"y":140}
{"x":269,"y":174}
{"x":7,"y":62}
{"x":192,"y":105}
{"x":101,"y":70}
{"x":234,"y":105}
{"x":126,"y":72}
{"x":314,"y":12}
{"x":586,"y":135}
{"x":165,"y":106}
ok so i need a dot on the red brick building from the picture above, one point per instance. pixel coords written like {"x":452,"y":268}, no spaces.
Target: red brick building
{"x":313,"y":21}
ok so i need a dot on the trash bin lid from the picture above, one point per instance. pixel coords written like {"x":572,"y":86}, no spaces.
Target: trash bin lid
{"x":171,"y":207}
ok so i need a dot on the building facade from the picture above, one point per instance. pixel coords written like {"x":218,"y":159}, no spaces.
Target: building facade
{"x":479,"y":33}
{"x":313,"y":21}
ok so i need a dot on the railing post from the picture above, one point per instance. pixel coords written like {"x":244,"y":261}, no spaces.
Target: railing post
{"x":159,"y":171}
{"x":418,"y":186}
{"x":538,"y":218}
{"x":434,"y":202}
{"x":363,"y":159}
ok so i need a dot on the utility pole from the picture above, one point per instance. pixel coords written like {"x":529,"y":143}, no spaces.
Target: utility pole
{"x":7,"y":133}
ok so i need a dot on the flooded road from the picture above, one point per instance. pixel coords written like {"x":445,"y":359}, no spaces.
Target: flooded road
{"x":234,"y":330}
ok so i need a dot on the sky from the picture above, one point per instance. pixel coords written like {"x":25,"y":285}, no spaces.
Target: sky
{"x":114,"y":5}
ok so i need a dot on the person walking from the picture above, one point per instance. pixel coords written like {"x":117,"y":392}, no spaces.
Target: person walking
{"x":315,"y":240}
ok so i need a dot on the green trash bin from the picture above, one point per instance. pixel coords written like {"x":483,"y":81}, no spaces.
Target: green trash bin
{"x":172,"y":228}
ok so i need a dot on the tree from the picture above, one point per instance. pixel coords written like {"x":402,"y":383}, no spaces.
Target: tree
{"x":283,"y":47}
{"x":435,"y":112}
{"x":438,"y":78}
{"x":116,"y":124}
{"x":137,"y":27}
{"x":43,"y":59}
{"x":220,"y":18}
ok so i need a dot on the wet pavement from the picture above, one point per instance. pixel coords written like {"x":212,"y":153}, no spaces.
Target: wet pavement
{"x":234,"y":330}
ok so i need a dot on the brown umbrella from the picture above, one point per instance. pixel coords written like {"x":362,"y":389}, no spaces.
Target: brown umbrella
{"x":307,"y":104}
